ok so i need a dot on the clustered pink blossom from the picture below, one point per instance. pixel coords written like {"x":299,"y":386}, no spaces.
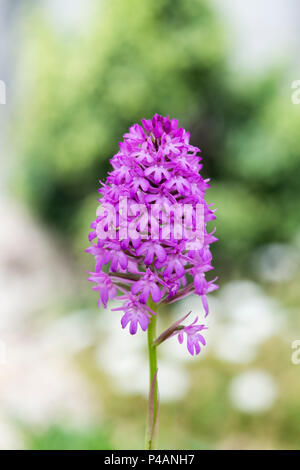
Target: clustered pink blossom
{"x":156,"y":166}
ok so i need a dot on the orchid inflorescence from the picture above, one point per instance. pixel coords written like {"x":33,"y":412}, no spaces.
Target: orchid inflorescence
{"x":146,"y":240}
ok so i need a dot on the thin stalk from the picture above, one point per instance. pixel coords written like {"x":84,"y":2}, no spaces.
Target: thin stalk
{"x":153,"y":386}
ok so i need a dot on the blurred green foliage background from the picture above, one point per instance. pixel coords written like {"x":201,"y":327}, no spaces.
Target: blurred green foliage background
{"x":83,"y":90}
{"x":169,"y":57}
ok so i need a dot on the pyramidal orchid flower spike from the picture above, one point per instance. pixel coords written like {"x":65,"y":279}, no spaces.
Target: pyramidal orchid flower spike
{"x":150,"y":240}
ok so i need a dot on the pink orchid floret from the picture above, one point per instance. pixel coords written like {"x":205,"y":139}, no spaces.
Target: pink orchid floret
{"x":146,"y":286}
{"x":134,"y":313}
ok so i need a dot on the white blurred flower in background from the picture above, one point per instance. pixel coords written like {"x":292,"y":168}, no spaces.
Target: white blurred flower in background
{"x":254,"y":391}
{"x":40,"y":382}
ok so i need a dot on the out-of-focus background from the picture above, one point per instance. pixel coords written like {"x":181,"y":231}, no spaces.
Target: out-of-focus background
{"x":77,"y":75}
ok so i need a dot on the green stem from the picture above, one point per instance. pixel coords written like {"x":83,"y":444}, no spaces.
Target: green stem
{"x":152,"y":421}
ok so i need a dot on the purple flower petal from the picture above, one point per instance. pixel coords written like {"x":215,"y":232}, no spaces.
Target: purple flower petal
{"x":193,"y":337}
{"x":155,"y":176}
